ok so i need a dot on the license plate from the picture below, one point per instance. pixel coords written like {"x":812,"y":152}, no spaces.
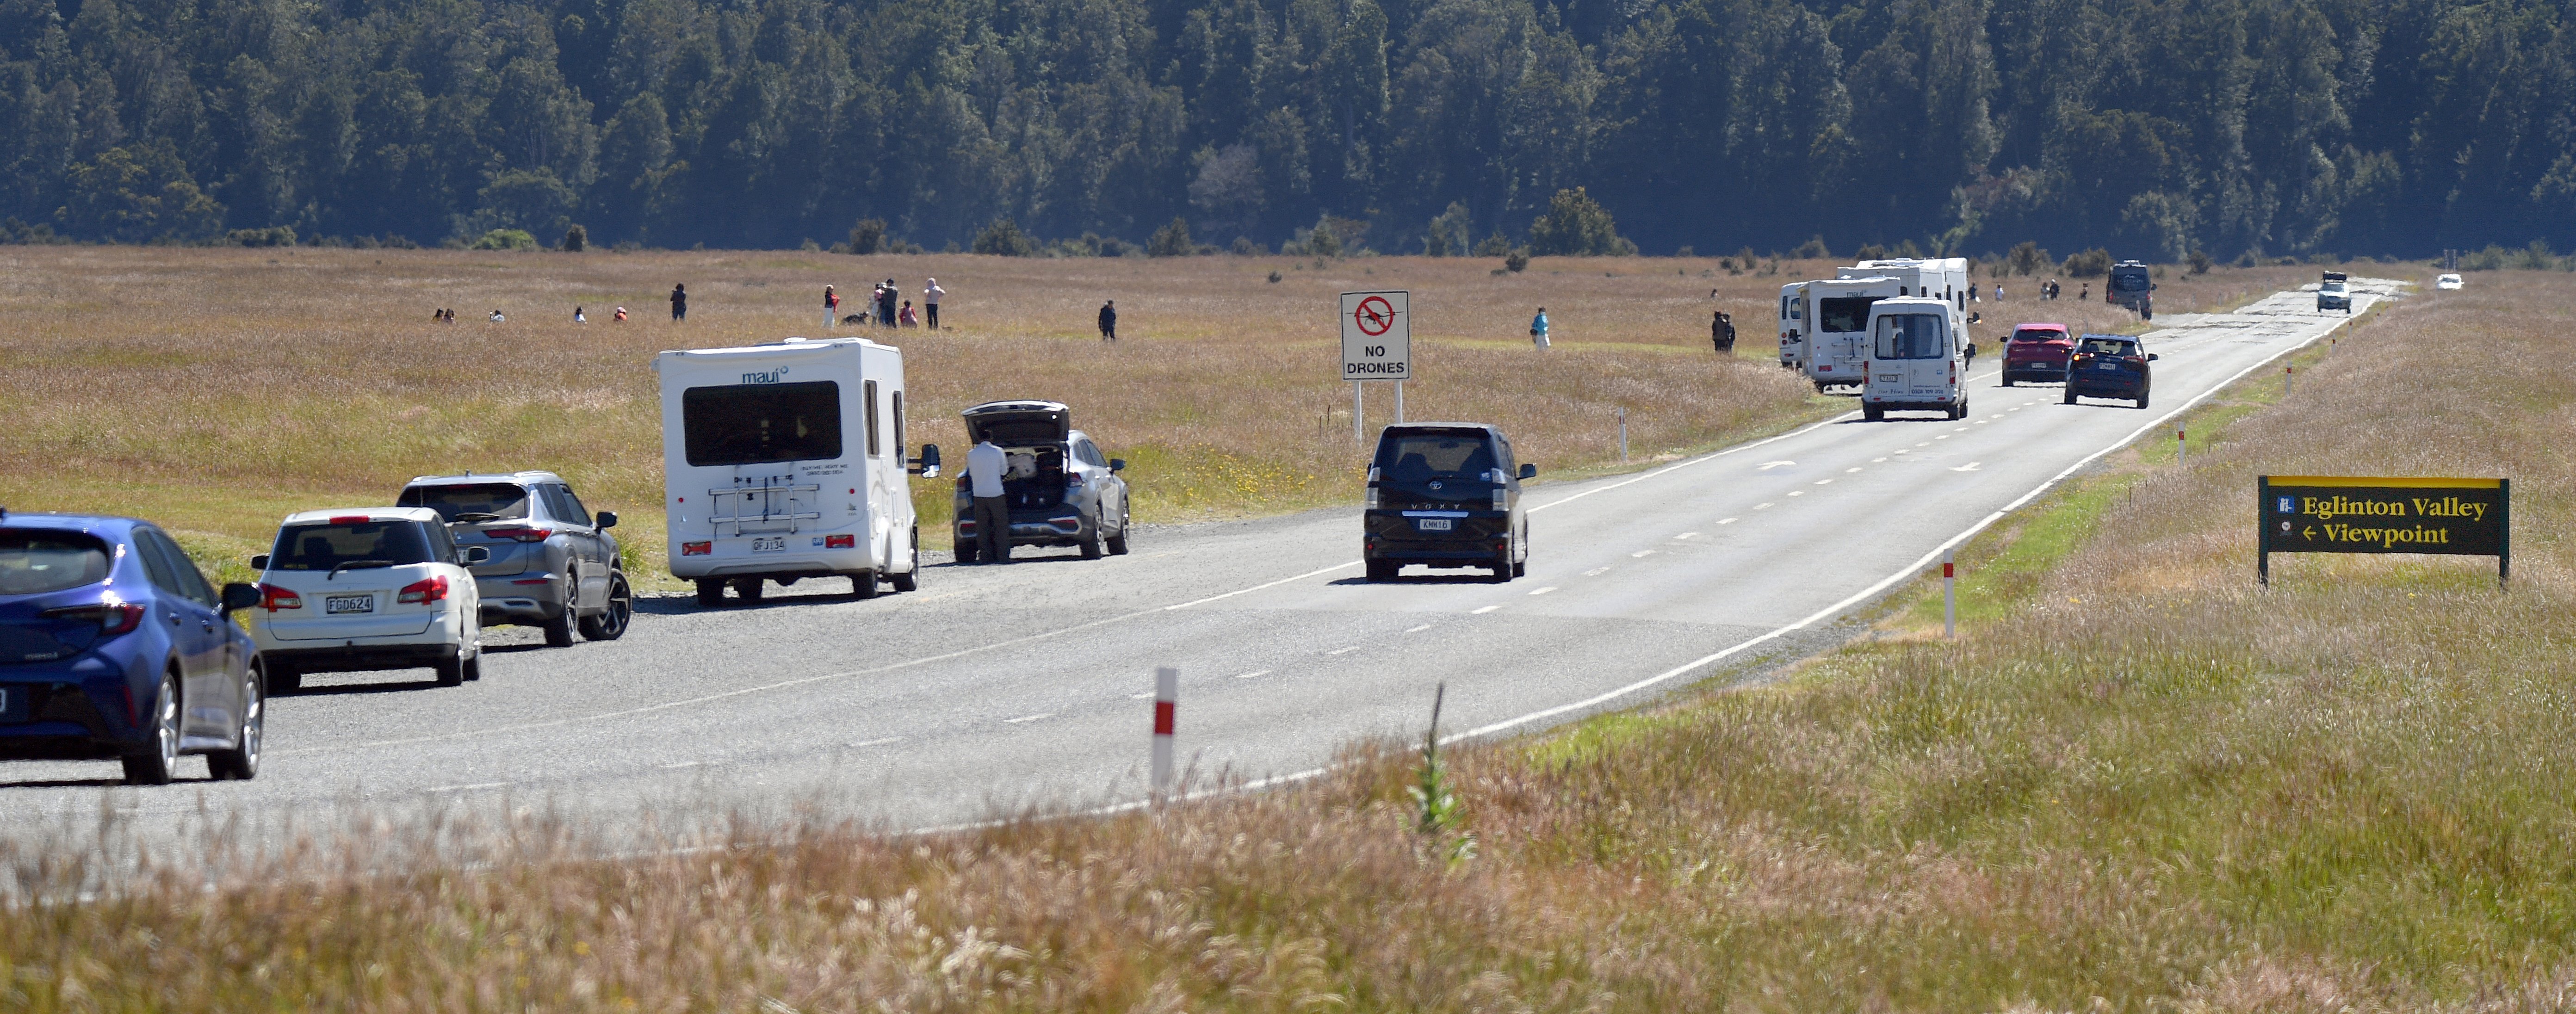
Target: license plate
{"x":338,"y":604}
{"x":2106,"y":366}
{"x":769,"y":544}
{"x":1431,"y":524}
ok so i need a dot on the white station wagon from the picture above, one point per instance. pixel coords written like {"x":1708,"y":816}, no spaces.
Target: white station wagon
{"x":361,"y":589}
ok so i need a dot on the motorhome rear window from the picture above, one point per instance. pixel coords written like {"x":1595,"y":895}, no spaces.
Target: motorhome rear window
{"x":760,"y":424}
{"x":1843,"y":314}
{"x":1910,"y":336}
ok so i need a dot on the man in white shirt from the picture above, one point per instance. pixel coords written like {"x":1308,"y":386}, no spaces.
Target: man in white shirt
{"x":984,"y":464}
{"x":930,"y":303}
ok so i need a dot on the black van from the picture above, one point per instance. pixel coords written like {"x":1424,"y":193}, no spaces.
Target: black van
{"x":1445,"y":495}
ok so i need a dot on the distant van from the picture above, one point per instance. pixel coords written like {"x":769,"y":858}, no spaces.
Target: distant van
{"x":2131,"y":286}
{"x":1918,"y":358}
{"x":785,"y":461}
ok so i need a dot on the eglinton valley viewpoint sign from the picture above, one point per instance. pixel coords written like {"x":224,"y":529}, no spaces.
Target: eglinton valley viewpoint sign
{"x":2340,"y":514}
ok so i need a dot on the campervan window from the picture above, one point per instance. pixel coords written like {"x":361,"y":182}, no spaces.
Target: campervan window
{"x":759,"y":424}
{"x":871,"y":399}
{"x":1844,"y":314}
{"x":1910,"y":336}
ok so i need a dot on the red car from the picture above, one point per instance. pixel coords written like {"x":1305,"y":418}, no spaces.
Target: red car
{"x":2037,"y":352}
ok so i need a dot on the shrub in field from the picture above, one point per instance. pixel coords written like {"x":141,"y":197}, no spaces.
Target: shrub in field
{"x":1813,"y":249}
{"x":2092,"y":263}
{"x":1450,"y":233}
{"x":506,"y":239}
{"x":1494,"y":246}
{"x":275,"y":235}
{"x":867,"y":236}
{"x":1003,"y":238}
{"x":2027,"y":259}
{"x":1244,"y":247}
{"x":2200,"y":262}
{"x":1516,"y":261}
{"x":577,"y":239}
{"x":1172,"y":240}
{"x":1576,"y":225}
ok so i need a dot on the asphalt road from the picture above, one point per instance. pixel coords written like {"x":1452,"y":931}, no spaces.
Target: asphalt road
{"x":996,"y":688}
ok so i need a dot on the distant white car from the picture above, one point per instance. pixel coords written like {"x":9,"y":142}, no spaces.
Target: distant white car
{"x":368,"y":588}
{"x":2446,"y":282}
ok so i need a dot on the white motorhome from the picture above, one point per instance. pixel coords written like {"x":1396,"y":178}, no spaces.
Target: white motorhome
{"x":1919,"y":352}
{"x":1837,"y":312}
{"x":785,"y":461}
{"x":1793,"y":324}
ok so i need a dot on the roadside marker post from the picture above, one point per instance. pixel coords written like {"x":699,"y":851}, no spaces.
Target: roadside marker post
{"x":2286,"y":371}
{"x":1949,"y":596}
{"x":1623,"y":434}
{"x":1167,"y":692}
{"x":2182,"y":443}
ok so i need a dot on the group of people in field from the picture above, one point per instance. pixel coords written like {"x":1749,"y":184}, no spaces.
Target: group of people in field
{"x":882,"y":308}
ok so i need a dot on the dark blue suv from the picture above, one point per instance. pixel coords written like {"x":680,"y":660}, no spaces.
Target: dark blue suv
{"x":112,"y":645}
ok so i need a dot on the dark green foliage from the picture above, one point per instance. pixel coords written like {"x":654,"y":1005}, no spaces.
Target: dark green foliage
{"x":2028,"y":259}
{"x":1171,"y":240}
{"x":2200,"y":261}
{"x":1516,"y":261}
{"x":275,"y":235}
{"x":868,"y":236}
{"x":2297,"y":127}
{"x":1004,"y":238}
{"x":1576,"y":225}
{"x":506,"y":239}
{"x":2093,"y":263}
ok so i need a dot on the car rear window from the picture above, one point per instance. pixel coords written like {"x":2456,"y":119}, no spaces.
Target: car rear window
{"x":350,"y":544}
{"x":1417,"y":457}
{"x":504,"y":501}
{"x":2038,"y":335}
{"x":2109,"y":347}
{"x":37,"y":561}
{"x":2129,"y":281}
{"x":760,"y":424}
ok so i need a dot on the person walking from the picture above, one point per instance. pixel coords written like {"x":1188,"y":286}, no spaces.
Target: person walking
{"x":984,"y":464}
{"x":1972,"y":293}
{"x":2086,"y":294}
{"x":1999,"y":292}
{"x":930,"y":302}
{"x":831,"y":308}
{"x":1109,"y":321}
{"x":1721,"y":332}
{"x":679,"y":302}
{"x":1538,"y":329}
{"x":885,"y":303}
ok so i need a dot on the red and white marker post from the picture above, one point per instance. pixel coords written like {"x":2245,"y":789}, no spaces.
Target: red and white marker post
{"x":1949,"y":596}
{"x":1167,"y":692}
{"x":2182,"y":442}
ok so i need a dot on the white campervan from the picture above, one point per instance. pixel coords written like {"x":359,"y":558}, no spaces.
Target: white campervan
{"x":1838,"y":311}
{"x":1918,"y":358}
{"x":784,"y":461}
{"x":1793,"y":323}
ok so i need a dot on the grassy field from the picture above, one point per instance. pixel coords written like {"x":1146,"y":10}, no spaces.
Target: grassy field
{"x":218,"y":390}
{"x":2137,"y":783}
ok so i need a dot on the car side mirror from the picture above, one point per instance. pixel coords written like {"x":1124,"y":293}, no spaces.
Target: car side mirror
{"x":606,"y":519}
{"x":1972,"y":350}
{"x":1117,"y":464}
{"x":927,"y":465}
{"x":239,"y":596}
{"x":259,"y":562}
{"x":2151,"y":357}
{"x":1529,"y":471}
{"x":474,"y":556}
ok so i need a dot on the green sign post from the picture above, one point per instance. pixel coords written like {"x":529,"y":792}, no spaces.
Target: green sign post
{"x":2342,"y":514}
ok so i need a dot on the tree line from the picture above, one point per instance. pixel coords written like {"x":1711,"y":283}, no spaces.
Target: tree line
{"x":2157,"y":128}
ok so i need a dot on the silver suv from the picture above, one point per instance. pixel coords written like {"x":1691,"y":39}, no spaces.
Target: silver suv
{"x":553,"y":563}
{"x":1061,"y":491}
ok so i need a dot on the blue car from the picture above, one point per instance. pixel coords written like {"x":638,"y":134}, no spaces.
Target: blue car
{"x":113,"y":646}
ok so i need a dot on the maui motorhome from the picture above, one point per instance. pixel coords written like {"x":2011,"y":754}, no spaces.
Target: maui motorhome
{"x":1793,"y":324}
{"x":1918,"y":358}
{"x":785,"y":461}
{"x":1837,"y":312}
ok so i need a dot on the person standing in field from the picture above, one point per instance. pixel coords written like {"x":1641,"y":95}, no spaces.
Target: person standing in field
{"x":831,"y":307}
{"x":1538,"y":329}
{"x":885,"y":303}
{"x":1109,"y":321}
{"x":930,"y":302}
{"x":984,"y":463}
{"x":679,"y":302}
{"x":1721,"y":332}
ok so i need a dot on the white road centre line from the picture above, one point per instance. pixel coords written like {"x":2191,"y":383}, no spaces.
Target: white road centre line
{"x":1926,"y":443}
{"x":1545,"y":590}
{"x":1969,"y":467}
{"x":682,"y":764}
{"x":1878,"y":460}
{"x":1147,"y":696}
{"x":1760,"y":506}
{"x":1687,"y":535}
{"x":1417,"y":630}
{"x":1856,"y":468}
{"x":467,"y":788}
{"x":1642,"y":553}
{"x":1944,"y":436}
{"x":1265,"y":672}
{"x":1598,"y":571}
{"x":1824,"y":482}
{"x":1769,"y":465}
{"x":1482,"y":610}
{"x":1343,"y":651}
{"x":1025,"y":719}
{"x":1797,"y":492}
{"x":1722,"y":521}
{"x":865,"y":743}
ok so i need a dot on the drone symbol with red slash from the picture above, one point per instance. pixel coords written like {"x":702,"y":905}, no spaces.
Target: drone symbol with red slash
{"x":1374,"y":316}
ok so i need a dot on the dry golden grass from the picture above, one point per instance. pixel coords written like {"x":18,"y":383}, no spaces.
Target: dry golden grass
{"x":2146,"y":786}
{"x":216,"y":390}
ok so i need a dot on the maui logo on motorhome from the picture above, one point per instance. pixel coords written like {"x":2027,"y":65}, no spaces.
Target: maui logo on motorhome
{"x":770,"y":377}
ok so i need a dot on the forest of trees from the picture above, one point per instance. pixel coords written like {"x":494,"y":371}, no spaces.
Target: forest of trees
{"x":2153,"y":127}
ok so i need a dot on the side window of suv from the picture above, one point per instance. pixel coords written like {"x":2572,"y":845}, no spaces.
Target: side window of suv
{"x":568,"y":507}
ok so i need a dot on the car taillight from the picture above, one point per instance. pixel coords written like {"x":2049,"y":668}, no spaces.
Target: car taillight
{"x":350,"y":519}
{"x":274,"y":598}
{"x":424,"y":591}
{"x":1371,"y":502}
{"x":1073,"y":480}
{"x":2140,"y":360}
{"x":840,"y":542}
{"x":111,"y":617}
{"x":697,"y":548}
{"x":519,"y":534}
{"x":1502,"y":499}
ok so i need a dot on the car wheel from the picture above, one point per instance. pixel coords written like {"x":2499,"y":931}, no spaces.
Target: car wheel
{"x":241,"y":763}
{"x":1872,"y":413}
{"x":2007,"y":381}
{"x":1383,"y":570}
{"x":1118,"y":542}
{"x":1091,"y":545}
{"x":2142,"y":399}
{"x":863,"y":585}
{"x":966,"y":552}
{"x":747,"y":589}
{"x":2070,"y":394}
{"x":559,"y":627}
{"x":284,"y":679}
{"x":451,"y":671}
{"x":910,"y":579}
{"x":156,"y":767}
{"x":611,"y":622}
{"x":710,"y":593}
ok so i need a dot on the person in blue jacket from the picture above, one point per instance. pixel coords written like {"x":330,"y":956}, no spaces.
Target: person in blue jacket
{"x":1538,"y":328}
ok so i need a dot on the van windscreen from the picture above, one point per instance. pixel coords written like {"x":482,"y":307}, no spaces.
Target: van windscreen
{"x":1911,"y":336}
{"x":760,"y":424}
{"x":1844,"y":314}
{"x":1417,"y":457}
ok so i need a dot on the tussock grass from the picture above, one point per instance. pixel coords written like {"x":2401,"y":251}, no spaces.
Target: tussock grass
{"x":217,"y":390}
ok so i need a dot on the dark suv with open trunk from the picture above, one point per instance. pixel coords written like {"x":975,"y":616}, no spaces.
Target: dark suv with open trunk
{"x":1445,"y":495}
{"x":1061,"y":491}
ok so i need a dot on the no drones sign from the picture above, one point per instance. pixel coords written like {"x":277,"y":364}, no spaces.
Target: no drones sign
{"x":1377,"y":336}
